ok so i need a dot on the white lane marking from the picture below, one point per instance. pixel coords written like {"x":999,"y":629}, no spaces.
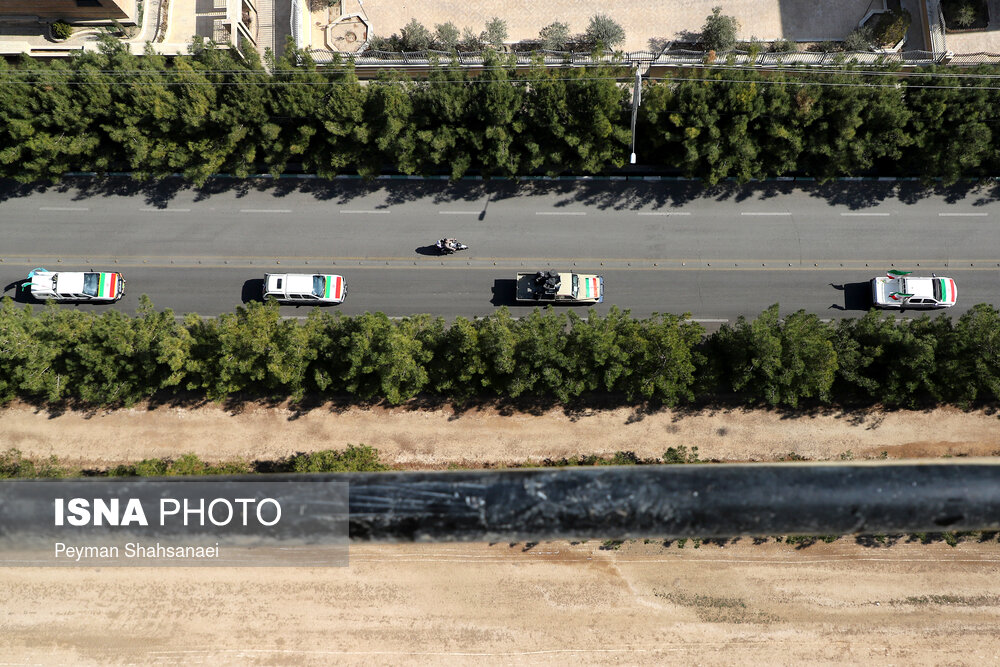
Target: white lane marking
{"x":696,"y":319}
{"x":664,"y":213}
{"x":765,"y":213}
{"x":265,"y":210}
{"x":866,"y":214}
{"x":165,"y":210}
{"x":963,"y":215}
{"x":365,"y":211}
{"x":460,"y":212}
{"x":61,"y":208}
{"x":560,"y":213}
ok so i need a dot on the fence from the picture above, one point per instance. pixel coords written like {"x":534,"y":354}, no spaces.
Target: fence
{"x":380,"y":59}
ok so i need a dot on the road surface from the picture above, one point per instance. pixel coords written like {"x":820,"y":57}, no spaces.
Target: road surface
{"x":672,"y":247}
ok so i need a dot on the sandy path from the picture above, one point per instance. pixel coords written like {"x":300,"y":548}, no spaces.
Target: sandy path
{"x":436,"y":438}
{"x":554,"y":604}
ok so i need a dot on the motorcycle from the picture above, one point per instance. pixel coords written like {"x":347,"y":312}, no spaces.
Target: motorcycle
{"x":450,"y":246}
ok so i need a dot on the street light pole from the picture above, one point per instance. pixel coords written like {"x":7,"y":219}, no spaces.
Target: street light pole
{"x":636,"y":100}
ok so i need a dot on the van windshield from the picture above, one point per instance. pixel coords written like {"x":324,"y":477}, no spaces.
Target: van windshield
{"x":319,"y":285}
{"x":90,"y":281}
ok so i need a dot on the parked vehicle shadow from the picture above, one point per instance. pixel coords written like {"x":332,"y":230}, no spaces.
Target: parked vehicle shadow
{"x":503,"y":292}
{"x":428,"y":250}
{"x":18,"y":290}
{"x":857,"y":296}
{"x":253,"y":290}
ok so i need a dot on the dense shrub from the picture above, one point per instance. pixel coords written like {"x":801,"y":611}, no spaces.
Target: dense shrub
{"x":891,"y":27}
{"x":719,"y":31}
{"x":604,"y":32}
{"x":548,"y":356}
{"x":61,"y":30}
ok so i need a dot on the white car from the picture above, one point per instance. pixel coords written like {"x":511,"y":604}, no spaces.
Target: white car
{"x":305,"y":288}
{"x":100,"y":287}
{"x":898,"y":289}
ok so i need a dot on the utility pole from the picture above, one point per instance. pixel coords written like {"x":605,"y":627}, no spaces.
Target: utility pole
{"x":636,"y":100}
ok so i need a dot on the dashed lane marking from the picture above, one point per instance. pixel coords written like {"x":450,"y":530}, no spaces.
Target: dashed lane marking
{"x":663,"y":213}
{"x":62,"y":208}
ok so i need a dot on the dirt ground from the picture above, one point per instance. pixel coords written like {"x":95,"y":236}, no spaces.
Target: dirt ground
{"x":439,"y":437}
{"x":553,"y":604}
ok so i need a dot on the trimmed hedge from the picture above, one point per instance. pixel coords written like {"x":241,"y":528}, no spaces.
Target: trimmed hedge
{"x":55,"y":355}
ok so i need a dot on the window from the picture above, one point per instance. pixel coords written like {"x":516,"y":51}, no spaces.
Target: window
{"x":937,"y":288}
{"x":277,"y":284}
{"x":576,"y":285}
{"x":319,"y":285}
{"x":90,"y":282}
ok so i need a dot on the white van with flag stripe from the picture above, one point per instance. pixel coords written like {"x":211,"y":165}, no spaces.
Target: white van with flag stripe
{"x":93,"y":286}
{"x":305,"y":288}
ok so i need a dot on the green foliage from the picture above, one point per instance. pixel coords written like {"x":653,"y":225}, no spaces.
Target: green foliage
{"x":13,"y":465}
{"x":495,"y":33}
{"x":61,"y":30}
{"x":782,"y":46}
{"x":447,"y":35}
{"x":554,"y":36}
{"x":604,"y":32}
{"x":60,"y":355}
{"x":360,"y":458}
{"x":891,"y":27}
{"x":965,"y":16}
{"x":859,"y":39}
{"x":414,"y":36}
{"x":719,"y":31}
{"x":680,"y":454}
{"x":774,"y":362}
{"x":186,"y":465}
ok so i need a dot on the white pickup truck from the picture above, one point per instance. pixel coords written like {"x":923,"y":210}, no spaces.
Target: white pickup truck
{"x":560,"y":288}
{"x":898,"y":289}
{"x":305,"y":288}
{"x":100,"y":287}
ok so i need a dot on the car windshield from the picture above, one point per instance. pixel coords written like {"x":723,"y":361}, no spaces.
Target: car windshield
{"x":576,"y":285}
{"x":319,"y":285}
{"x":937,"y":288}
{"x":90,"y":281}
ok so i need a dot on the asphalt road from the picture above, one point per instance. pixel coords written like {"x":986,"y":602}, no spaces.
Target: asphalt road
{"x":662,"y":246}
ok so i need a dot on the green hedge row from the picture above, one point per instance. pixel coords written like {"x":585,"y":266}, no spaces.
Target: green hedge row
{"x":56,"y":354}
{"x":360,"y":458}
{"x":212,"y":112}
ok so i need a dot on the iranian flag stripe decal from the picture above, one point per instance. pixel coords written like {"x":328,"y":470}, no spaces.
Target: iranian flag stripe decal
{"x":954,"y":290}
{"x":100,"y":284}
{"x":595,"y":287}
{"x":326,"y":287}
{"x":111,"y":292}
{"x":336,"y":293}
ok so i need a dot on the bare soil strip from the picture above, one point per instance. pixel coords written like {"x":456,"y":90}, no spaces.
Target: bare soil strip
{"x":437,"y":438}
{"x":552,"y":604}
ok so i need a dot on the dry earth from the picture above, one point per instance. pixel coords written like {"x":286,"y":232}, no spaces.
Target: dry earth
{"x":438,"y":437}
{"x":553,"y":604}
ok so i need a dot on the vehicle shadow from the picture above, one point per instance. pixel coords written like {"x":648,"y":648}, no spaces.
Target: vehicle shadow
{"x":857,"y":296}
{"x":503,"y":292}
{"x":18,"y":291}
{"x":428,"y":251}
{"x":253,"y":290}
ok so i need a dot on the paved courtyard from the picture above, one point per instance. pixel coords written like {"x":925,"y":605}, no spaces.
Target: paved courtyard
{"x":797,"y":20}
